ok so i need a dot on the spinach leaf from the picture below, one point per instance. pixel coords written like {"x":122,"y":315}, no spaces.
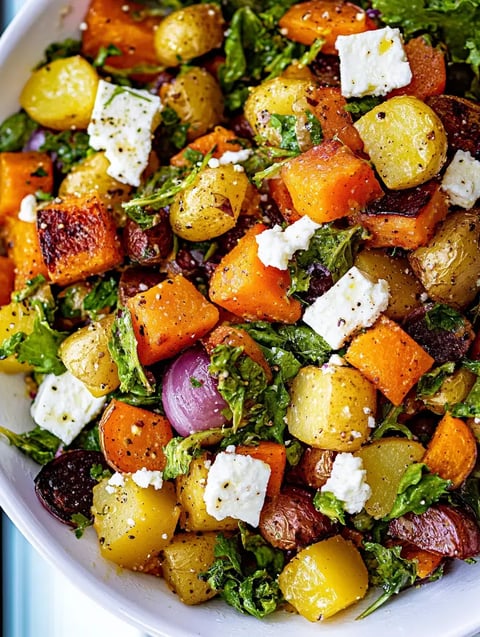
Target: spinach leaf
{"x":328,"y":504}
{"x":104,"y":294}
{"x":58,"y":50}
{"x":470,"y":407}
{"x":68,"y":147}
{"x":417,"y":491}
{"x":245,"y":572}
{"x":179,"y":452}
{"x":391,"y":423}
{"x":123,"y":348}
{"x":432,"y":381}
{"x":386,"y":568}
{"x":444,"y":317}
{"x":15,"y":132}
{"x":39,"y":444}
{"x":174,"y":129}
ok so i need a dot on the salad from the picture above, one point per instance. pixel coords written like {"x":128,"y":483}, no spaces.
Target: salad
{"x":240,"y":275}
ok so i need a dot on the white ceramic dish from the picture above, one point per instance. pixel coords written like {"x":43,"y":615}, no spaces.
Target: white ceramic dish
{"x":447,"y":608}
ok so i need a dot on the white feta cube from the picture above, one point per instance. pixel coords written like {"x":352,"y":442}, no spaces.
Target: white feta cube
{"x":353,"y":303}
{"x":236,"y":487}
{"x":372,"y":63}
{"x":276,"y":246}
{"x":461,"y":180}
{"x":63,"y":406}
{"x":348,"y":482}
{"x":145,"y":478}
{"x":122,"y":124}
{"x":28,"y":209}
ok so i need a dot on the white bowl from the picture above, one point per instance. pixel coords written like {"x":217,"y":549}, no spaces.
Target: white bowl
{"x":447,"y":608}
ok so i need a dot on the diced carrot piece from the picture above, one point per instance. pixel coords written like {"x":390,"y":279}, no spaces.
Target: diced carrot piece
{"x":307,"y":21}
{"x":273,"y":454}
{"x":405,"y":218}
{"x":280,"y":195}
{"x":23,"y":248}
{"x":452,"y":450}
{"x":328,"y":182}
{"x":133,"y":438}
{"x":110,"y":22}
{"x":328,"y":106}
{"x":429,"y":74}
{"x":22,"y":174}
{"x":389,"y":358}
{"x":237,"y":337}
{"x":220,"y":140}
{"x":168,"y":317}
{"x":7,"y":279}
{"x":242,"y":284}
{"x":78,"y":238}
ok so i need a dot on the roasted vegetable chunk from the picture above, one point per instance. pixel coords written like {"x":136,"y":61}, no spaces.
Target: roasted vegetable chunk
{"x":77,"y":238}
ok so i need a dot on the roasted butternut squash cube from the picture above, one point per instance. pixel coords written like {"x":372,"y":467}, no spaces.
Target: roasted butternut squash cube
{"x":78,"y":238}
{"x":389,"y":358}
{"x":23,"y":248}
{"x":405,"y":218}
{"x":109,"y":22}
{"x":22,"y":174}
{"x":328,"y":182}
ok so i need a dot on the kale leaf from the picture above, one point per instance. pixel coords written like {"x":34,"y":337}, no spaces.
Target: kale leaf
{"x":39,"y":444}
{"x":15,"y":132}
{"x":68,"y":147}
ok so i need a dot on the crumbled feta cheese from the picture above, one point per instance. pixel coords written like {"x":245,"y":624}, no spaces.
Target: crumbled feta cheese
{"x":372,"y":63}
{"x":353,"y":303}
{"x":122,"y":124}
{"x":236,"y":487}
{"x":145,"y":478}
{"x":276,"y":246}
{"x":28,"y":209}
{"x":63,"y":406}
{"x":347,"y":482}
{"x":461,"y":180}
{"x":116,"y":480}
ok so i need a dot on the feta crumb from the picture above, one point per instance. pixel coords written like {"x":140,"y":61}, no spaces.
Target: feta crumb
{"x":372,"y":63}
{"x":347,"y":482}
{"x":122,"y":124}
{"x":145,"y":478}
{"x":353,"y":303}
{"x":236,"y":487}
{"x":461,"y":180}
{"x":116,"y":480}
{"x":276,"y":246}
{"x":28,"y":209}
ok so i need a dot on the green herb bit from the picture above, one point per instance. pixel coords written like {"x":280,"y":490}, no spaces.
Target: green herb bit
{"x":39,"y":444}
{"x":328,"y":504}
{"x":105,"y":52}
{"x":15,"y":132}
{"x":81,"y":522}
{"x":389,"y":571}
{"x":179,"y":452}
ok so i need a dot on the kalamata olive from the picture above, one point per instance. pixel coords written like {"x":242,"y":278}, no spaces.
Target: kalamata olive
{"x":64,"y":485}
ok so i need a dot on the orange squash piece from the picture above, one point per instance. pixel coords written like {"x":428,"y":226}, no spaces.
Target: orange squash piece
{"x":7,"y":279}
{"x":328,"y":106}
{"x":427,"y":562}
{"x":78,"y":238}
{"x":328,"y":182}
{"x":405,"y":218}
{"x":242,"y":284}
{"x":168,"y":317}
{"x":280,"y":195}
{"x":429,"y":74}
{"x":110,"y":22}
{"x":273,"y":454}
{"x":220,"y":140}
{"x":389,"y":358}
{"x":23,"y":248}
{"x":452,"y":450}
{"x":132,"y":438}
{"x":326,"y":19}
{"x":22,"y":174}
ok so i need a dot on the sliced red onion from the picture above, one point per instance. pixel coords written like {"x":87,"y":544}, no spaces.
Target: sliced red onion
{"x":36,"y":140}
{"x":190,"y":396}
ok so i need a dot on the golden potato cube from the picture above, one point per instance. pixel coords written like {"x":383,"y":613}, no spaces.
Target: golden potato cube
{"x":133,"y":523}
{"x":331,"y":407}
{"x":324,"y":578}
{"x":405,"y":140}
{"x":14,"y":318}
{"x":183,"y":560}
{"x":190,"y":490}
{"x":385,"y":462}
{"x":86,"y":355}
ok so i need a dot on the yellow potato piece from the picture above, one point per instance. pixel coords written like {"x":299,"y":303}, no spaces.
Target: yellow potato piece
{"x":14,"y":318}
{"x":406,"y":141}
{"x":385,"y":462}
{"x":331,"y":408}
{"x":324,"y":578}
{"x":61,"y":95}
